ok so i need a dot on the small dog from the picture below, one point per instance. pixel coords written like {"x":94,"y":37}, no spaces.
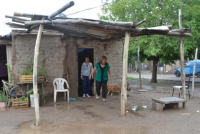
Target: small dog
{"x":113,"y":88}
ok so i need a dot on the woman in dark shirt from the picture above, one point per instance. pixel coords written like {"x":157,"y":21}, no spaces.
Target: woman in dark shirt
{"x":103,"y":69}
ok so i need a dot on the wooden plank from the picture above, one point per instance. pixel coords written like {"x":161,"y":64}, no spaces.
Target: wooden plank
{"x":5,"y":42}
{"x":124,"y":75}
{"x":35,"y":66}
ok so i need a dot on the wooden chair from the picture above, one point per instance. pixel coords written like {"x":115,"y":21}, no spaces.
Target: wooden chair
{"x":59,"y":84}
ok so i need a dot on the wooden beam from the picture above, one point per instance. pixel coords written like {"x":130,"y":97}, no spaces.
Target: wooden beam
{"x":5,"y":42}
{"x":65,"y":7}
{"x":139,"y":71}
{"x":182,"y":57}
{"x":114,"y":23}
{"x":183,"y":30}
{"x":15,"y":25}
{"x":18,"y":21}
{"x":35,"y":66}
{"x":12,"y":17}
{"x":29,"y":15}
{"x":124,"y":75}
{"x":194,"y":70}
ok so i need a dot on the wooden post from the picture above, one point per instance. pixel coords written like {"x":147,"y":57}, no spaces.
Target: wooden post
{"x":182,"y":57}
{"x":124,"y":75}
{"x":194,"y":70}
{"x":35,"y":65}
{"x":65,"y":7}
{"x":140,"y":81}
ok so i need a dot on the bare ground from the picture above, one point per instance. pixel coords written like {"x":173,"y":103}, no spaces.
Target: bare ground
{"x":91,"y":116}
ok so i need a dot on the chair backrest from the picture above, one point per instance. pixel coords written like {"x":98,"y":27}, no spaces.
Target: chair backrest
{"x":58,"y":84}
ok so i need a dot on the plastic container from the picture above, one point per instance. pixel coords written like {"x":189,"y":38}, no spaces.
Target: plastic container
{"x":72,"y":99}
{"x":32,"y":100}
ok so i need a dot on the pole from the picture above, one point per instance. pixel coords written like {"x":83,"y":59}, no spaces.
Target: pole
{"x":140,"y":81}
{"x":65,"y":7}
{"x":35,"y":65}
{"x":194,"y":70}
{"x":124,"y":75}
{"x":182,"y":57}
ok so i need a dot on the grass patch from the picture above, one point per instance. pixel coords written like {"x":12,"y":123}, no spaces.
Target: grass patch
{"x":137,"y":79}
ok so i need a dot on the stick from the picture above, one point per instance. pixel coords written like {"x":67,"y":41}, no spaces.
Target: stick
{"x":7,"y":16}
{"x":124,"y":75}
{"x":139,"y":23}
{"x":140,"y":81}
{"x":65,"y":7}
{"x":182,"y":57}
{"x":18,"y":21}
{"x":194,"y":70}
{"x":29,"y":15}
{"x":35,"y":65}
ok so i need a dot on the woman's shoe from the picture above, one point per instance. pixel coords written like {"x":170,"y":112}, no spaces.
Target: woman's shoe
{"x":104,"y":99}
{"x":97,"y":97}
{"x":84,"y":95}
{"x":87,"y":95}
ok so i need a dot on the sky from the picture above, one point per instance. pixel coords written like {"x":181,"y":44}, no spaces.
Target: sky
{"x":45,"y":7}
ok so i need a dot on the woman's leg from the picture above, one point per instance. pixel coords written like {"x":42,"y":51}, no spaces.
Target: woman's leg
{"x":104,"y":88}
{"x":88,"y":85}
{"x":84,"y":84}
{"x":98,"y":87}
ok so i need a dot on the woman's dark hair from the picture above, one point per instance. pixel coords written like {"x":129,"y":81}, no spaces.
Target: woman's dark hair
{"x":87,"y":57}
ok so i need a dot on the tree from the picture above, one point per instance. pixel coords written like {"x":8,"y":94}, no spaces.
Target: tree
{"x":158,"y":12}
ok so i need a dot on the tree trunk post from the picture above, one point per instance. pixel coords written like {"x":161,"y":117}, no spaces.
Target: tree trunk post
{"x":124,"y":75}
{"x":194,"y":70}
{"x":35,"y":65}
{"x":140,"y":81}
{"x":182,"y":57}
{"x":154,"y":70}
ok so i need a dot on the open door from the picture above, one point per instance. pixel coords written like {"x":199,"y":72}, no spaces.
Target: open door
{"x":82,"y":53}
{"x":3,"y":68}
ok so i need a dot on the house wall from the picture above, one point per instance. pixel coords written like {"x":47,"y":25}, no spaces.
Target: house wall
{"x":61,"y":58}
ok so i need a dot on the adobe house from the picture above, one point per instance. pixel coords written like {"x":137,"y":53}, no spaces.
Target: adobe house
{"x":60,"y":51}
{"x":63,"y":57}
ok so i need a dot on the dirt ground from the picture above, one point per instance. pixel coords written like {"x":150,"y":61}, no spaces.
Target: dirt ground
{"x":91,"y":116}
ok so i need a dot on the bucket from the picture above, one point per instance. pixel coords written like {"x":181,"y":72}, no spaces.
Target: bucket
{"x":2,"y":106}
{"x":32,"y":103}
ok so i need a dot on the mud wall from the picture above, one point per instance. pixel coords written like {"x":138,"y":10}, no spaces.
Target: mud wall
{"x":62,"y":58}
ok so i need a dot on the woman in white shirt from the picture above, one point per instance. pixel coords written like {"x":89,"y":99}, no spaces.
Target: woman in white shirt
{"x":86,"y":70}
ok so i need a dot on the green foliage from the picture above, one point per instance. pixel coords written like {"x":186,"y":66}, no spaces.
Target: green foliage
{"x":157,"y":12}
{"x":41,"y":72}
{"x":23,"y":98}
{"x":3,"y":96}
{"x":10,"y":77}
{"x":28,"y":70}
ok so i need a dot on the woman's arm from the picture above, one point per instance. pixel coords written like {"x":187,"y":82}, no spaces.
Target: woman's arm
{"x":110,"y":74}
{"x":93,"y":71}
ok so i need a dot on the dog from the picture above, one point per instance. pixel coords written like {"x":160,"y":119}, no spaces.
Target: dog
{"x":113,"y":89}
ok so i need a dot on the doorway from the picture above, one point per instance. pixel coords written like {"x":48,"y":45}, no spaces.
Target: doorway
{"x":82,"y":53}
{"x":3,"y":68}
